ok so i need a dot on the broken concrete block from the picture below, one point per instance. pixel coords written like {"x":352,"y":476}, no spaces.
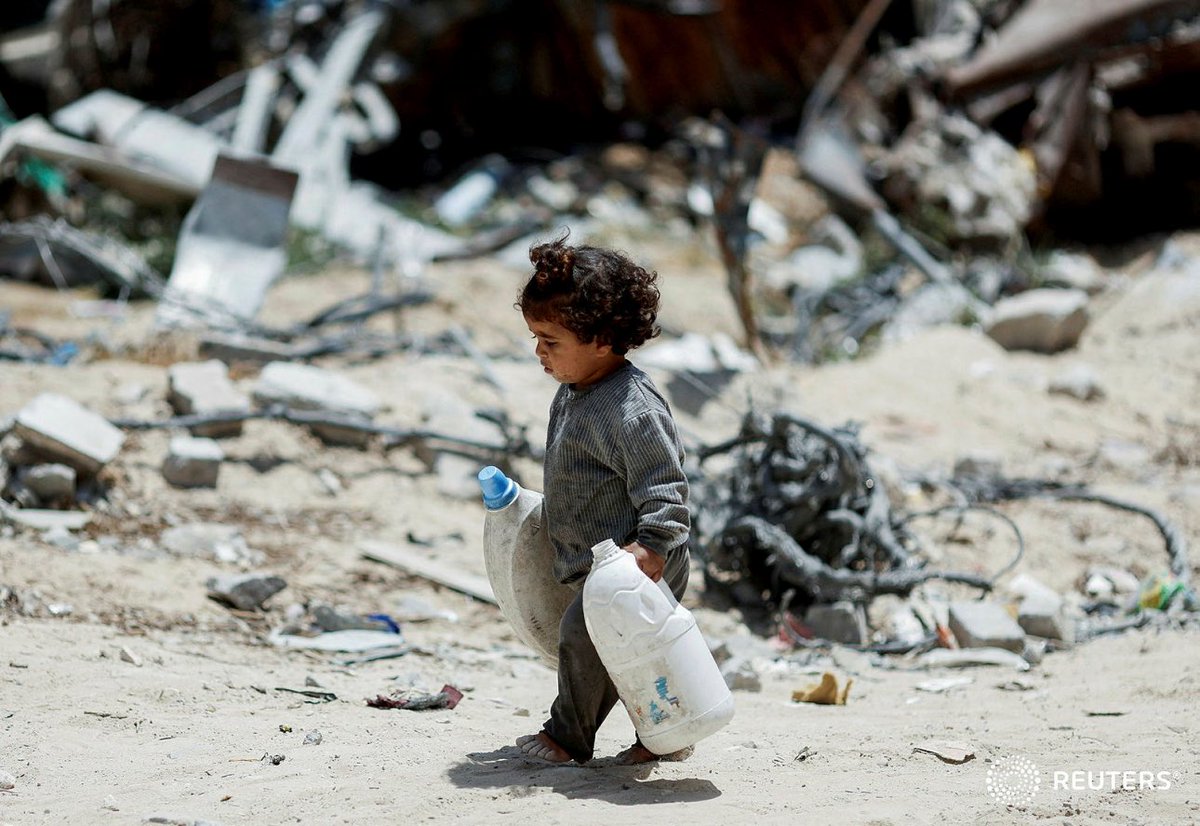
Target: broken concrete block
{"x":740,"y":675}
{"x":1045,"y":321}
{"x":203,"y":388}
{"x":842,"y":621}
{"x":246,"y":592}
{"x":1122,"y":581}
{"x":14,"y":452}
{"x":234,"y":348}
{"x":1034,"y":651}
{"x":1078,"y":382}
{"x":1074,"y":270}
{"x":1023,"y":585}
{"x":50,"y":482}
{"x":1099,"y":588}
{"x":193,"y":463}
{"x":985,"y":625}
{"x":45,"y":520}
{"x":304,"y":387}
{"x":900,"y":623}
{"x":1042,"y":616}
{"x":64,"y":429}
{"x":210,"y":540}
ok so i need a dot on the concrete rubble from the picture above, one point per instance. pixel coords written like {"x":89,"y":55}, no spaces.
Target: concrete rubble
{"x":305,"y":387}
{"x":203,"y":389}
{"x":59,"y":427}
{"x":246,"y":592}
{"x":1045,"y":321}
{"x":193,"y":462}
{"x":985,"y":625}
{"x":902,"y":224}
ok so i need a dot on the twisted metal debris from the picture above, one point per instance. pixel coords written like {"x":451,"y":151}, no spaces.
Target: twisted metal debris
{"x":800,"y":515}
{"x":801,"y":511}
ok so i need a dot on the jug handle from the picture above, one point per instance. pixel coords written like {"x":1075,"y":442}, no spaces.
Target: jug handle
{"x":666,"y":589}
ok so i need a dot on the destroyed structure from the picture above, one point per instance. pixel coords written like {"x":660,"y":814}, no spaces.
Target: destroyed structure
{"x":937,"y":137}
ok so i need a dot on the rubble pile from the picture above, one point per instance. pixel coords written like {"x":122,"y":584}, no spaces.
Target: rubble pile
{"x":857,"y":175}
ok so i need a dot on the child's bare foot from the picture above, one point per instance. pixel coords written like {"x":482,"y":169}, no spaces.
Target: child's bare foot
{"x":637,"y":753}
{"x":541,"y":746}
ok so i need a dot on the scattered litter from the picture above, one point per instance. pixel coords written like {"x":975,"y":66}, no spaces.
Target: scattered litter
{"x":947,"y":751}
{"x":824,"y":693}
{"x":312,"y":738}
{"x":413,"y":608}
{"x":944,"y":684}
{"x":1017,"y":684}
{"x":352,"y":641}
{"x":246,"y":592}
{"x":448,"y":697}
{"x":317,"y":696}
{"x":966,"y":657}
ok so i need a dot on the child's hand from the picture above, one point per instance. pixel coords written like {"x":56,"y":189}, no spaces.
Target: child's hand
{"x":651,"y":563}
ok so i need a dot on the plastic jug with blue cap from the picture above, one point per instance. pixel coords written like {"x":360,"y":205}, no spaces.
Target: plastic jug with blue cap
{"x":519,"y":559}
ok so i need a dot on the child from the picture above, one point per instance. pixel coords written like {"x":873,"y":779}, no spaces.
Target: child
{"x":613,"y":467}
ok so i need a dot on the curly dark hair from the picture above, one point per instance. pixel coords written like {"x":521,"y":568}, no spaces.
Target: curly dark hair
{"x":597,"y":294}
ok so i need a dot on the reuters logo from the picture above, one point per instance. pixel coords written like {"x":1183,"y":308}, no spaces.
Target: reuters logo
{"x":1013,"y":781}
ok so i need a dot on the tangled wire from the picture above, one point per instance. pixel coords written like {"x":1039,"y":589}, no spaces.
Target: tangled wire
{"x":802,"y":511}
{"x":800,"y":515}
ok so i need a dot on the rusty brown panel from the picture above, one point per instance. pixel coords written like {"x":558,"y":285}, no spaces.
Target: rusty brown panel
{"x":1049,"y":33}
{"x":750,"y":54}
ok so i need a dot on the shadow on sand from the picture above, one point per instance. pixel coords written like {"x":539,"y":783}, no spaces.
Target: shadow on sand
{"x":604,"y":779}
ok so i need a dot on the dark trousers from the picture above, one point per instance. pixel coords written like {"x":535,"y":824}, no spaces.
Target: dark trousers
{"x":585,"y":692}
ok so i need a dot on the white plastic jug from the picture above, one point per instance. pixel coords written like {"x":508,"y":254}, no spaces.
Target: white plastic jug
{"x":654,"y":652}
{"x":519,"y":560}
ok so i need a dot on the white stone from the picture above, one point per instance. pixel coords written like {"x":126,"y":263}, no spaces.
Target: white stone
{"x":63,"y":428}
{"x":1042,"y":320}
{"x":985,"y":625}
{"x":1078,"y":381}
{"x":304,"y":387}
{"x":50,"y":482}
{"x":203,"y":388}
{"x":193,"y":463}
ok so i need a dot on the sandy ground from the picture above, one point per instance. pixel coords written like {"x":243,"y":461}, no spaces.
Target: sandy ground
{"x":189,"y":728}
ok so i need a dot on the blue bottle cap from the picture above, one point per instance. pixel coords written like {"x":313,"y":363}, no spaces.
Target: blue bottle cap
{"x":498,"y":489}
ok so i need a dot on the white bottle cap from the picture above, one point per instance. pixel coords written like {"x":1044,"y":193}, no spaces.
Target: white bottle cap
{"x":604,"y":549}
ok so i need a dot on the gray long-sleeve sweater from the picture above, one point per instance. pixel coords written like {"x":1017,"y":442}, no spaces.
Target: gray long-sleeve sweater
{"x":613,"y":470}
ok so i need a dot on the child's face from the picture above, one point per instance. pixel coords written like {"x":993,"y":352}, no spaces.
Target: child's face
{"x":569,"y":360}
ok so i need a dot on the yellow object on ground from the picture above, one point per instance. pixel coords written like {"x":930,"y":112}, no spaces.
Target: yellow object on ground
{"x":824,"y":693}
